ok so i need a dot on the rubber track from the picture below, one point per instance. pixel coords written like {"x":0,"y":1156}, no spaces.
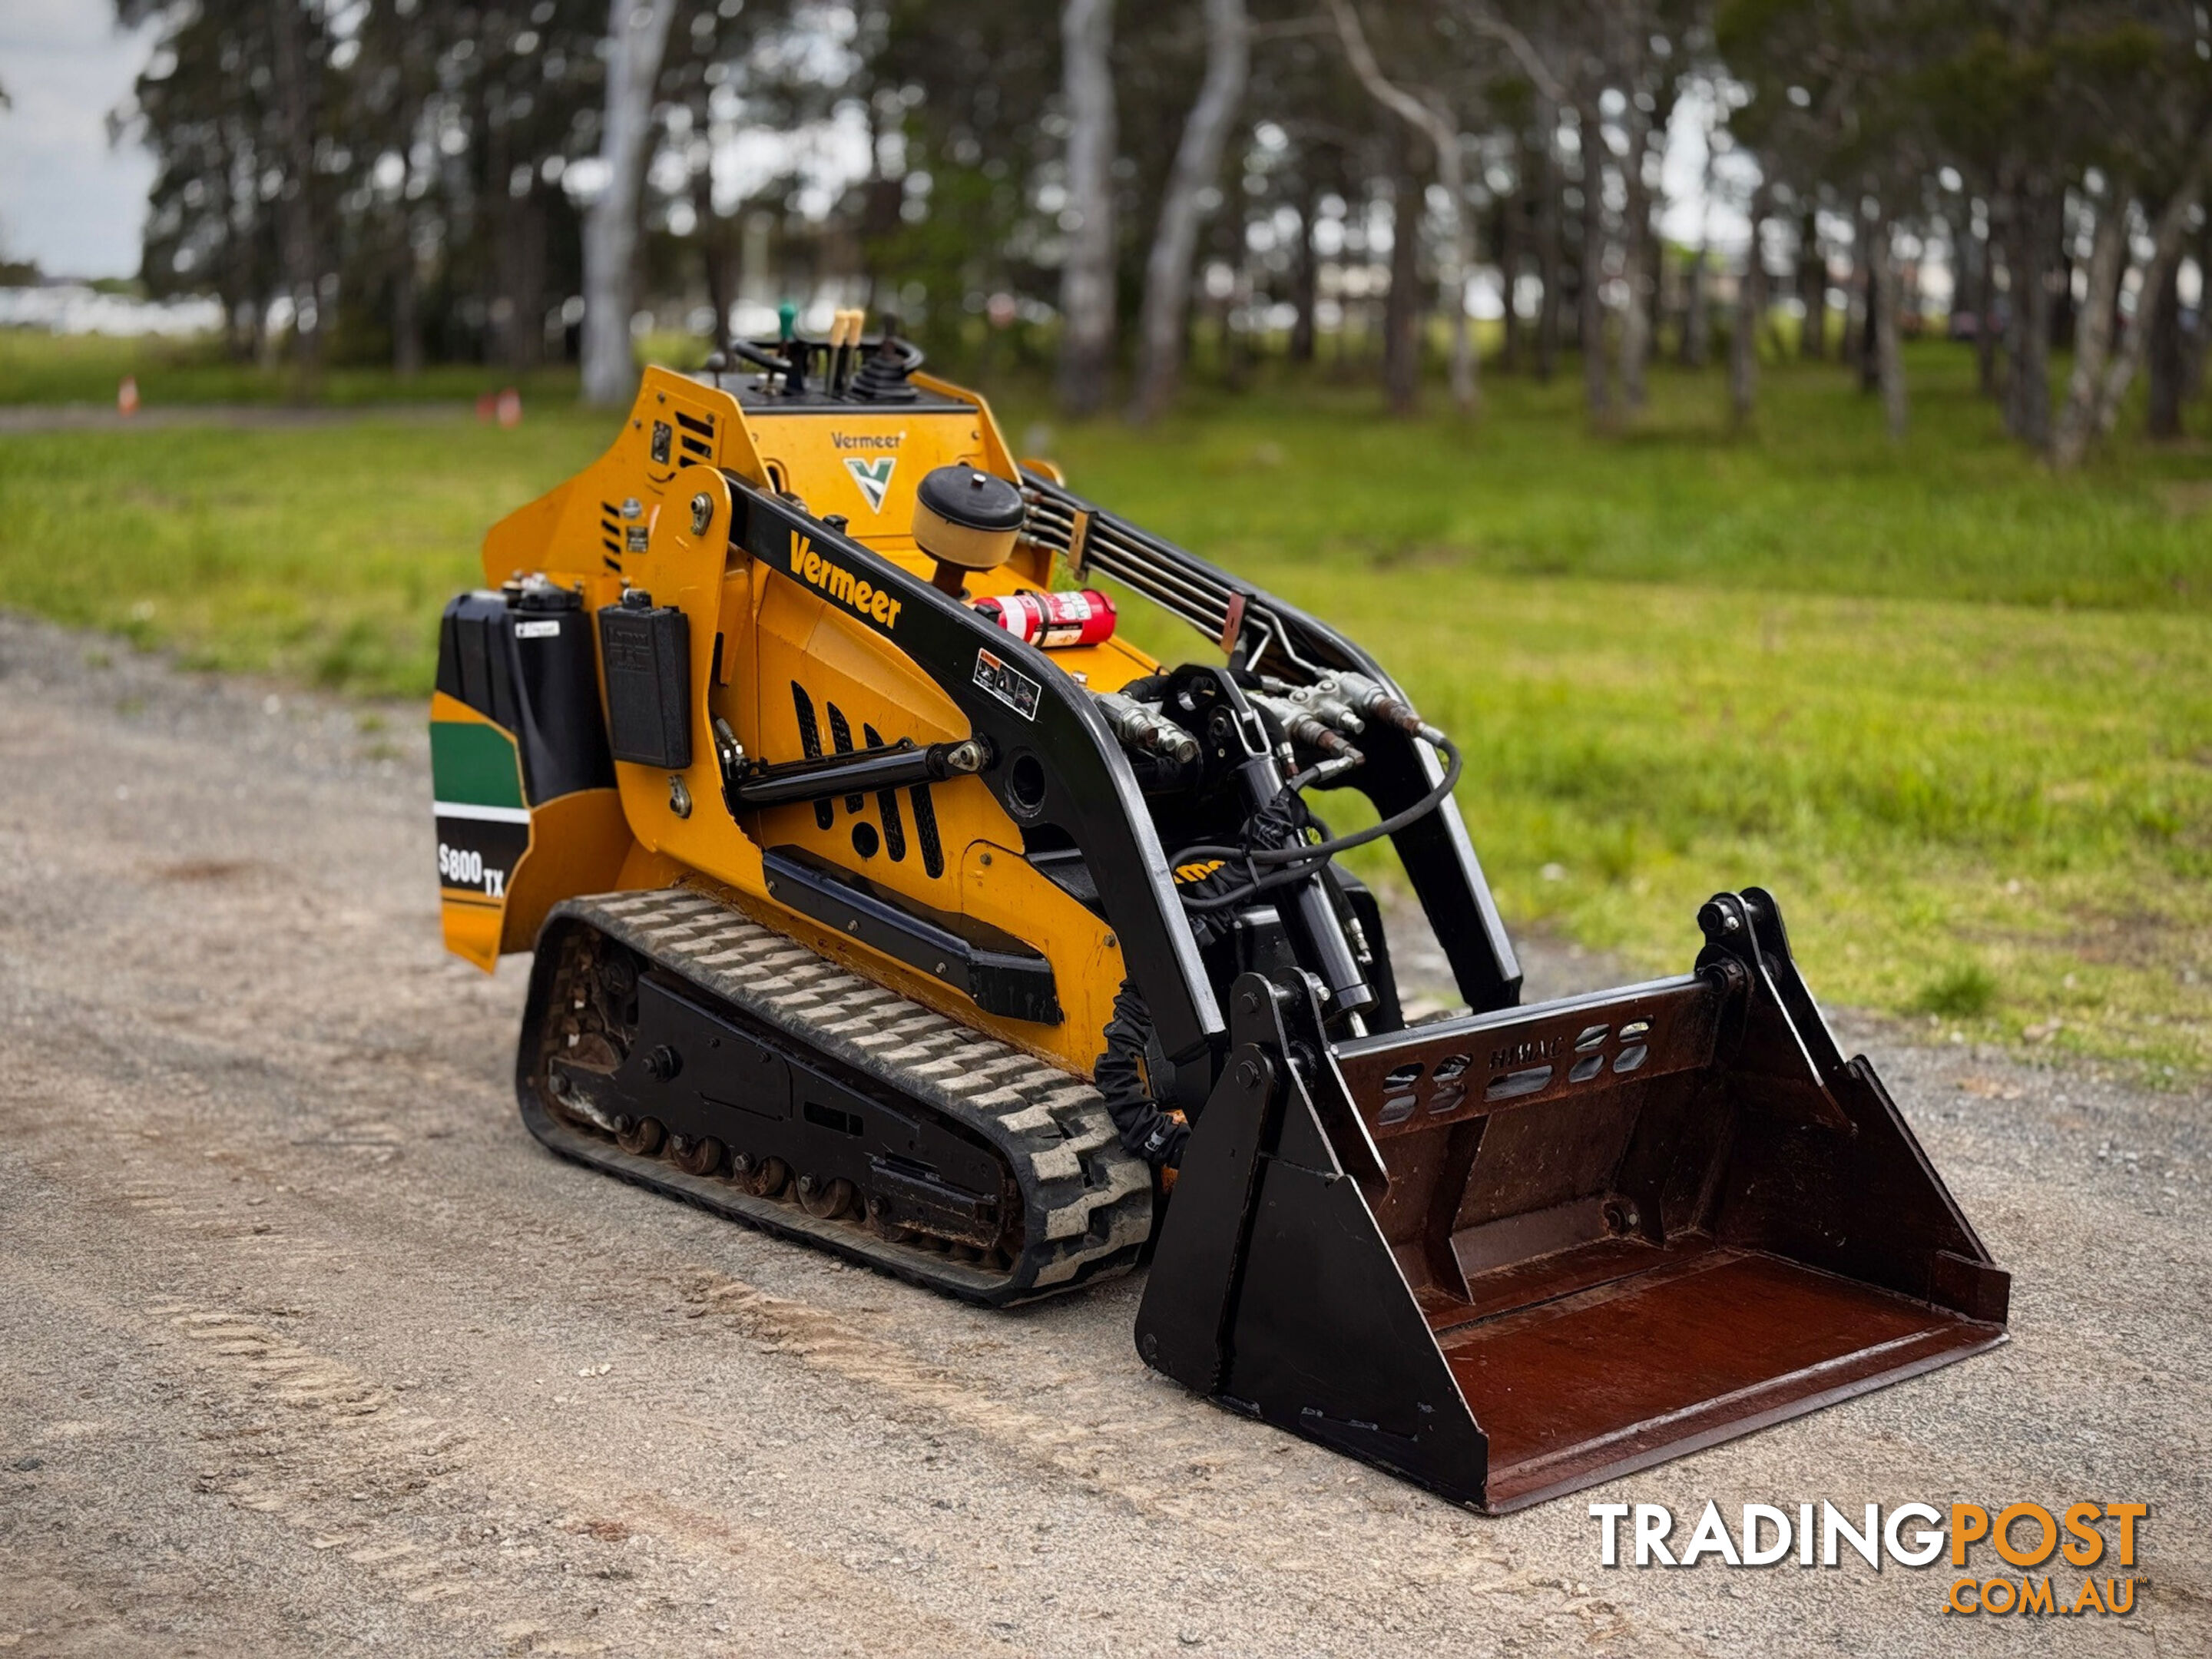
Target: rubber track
{"x":1089,"y":1203}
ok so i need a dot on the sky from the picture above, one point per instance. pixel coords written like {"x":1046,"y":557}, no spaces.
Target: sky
{"x":68,"y":198}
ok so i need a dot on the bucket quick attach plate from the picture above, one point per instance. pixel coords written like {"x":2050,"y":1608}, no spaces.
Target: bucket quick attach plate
{"x":1520,"y":1253}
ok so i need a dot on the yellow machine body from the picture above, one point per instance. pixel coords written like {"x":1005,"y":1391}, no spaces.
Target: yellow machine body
{"x":625,"y":522}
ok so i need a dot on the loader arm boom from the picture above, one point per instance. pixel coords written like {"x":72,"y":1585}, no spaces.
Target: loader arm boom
{"x":1258,"y":630}
{"x":1052,"y":762}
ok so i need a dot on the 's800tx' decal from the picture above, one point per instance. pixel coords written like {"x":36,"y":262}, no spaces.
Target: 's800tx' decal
{"x":842,"y":585}
{"x":484,"y":825}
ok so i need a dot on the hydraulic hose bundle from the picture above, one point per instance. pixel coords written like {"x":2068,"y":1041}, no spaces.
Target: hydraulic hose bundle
{"x":1275,"y":851}
{"x":1145,"y":1131}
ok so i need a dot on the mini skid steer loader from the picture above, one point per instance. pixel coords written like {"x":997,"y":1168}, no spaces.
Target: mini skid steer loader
{"x":883,"y":896}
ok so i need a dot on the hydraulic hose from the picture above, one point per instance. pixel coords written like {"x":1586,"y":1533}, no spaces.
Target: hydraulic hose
{"x":1302,"y":852}
{"x":1145,"y":1131}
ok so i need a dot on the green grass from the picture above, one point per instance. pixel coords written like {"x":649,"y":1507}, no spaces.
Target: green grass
{"x":1955,"y":712}
{"x":321,"y":553}
{"x":40,"y":368}
{"x":1816,"y":499}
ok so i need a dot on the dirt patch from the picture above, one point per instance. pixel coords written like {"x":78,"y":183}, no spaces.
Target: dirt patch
{"x":199,"y":870}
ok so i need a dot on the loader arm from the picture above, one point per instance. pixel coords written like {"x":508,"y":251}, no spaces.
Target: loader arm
{"x":1257,"y":630}
{"x":1053,"y":765}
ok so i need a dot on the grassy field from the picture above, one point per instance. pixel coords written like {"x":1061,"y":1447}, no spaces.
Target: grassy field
{"x":1955,"y":712}
{"x":38,"y":368}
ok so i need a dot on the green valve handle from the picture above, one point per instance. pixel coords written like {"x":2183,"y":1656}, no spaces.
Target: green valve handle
{"x":787,"y":318}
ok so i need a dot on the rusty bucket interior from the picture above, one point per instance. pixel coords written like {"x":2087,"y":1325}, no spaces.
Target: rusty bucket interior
{"x":1598,"y":1233}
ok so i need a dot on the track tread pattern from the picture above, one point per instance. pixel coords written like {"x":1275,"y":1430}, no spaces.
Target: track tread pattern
{"x":1089,"y":1203}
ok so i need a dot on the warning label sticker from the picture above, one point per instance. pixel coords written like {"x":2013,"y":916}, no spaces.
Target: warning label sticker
{"x":1007,"y":683}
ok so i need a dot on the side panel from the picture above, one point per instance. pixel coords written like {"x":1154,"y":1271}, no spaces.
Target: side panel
{"x":795,"y":675}
{"x":1056,"y":774}
{"x":525,"y":810}
{"x":483,"y":828}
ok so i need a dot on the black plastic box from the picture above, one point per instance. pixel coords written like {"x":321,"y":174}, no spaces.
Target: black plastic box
{"x":646,"y":650}
{"x":525,"y":661}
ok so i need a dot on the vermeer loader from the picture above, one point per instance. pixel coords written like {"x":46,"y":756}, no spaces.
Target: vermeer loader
{"x":884,"y":896}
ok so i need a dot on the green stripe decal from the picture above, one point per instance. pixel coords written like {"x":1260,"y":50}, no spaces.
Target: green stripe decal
{"x":474,"y":763}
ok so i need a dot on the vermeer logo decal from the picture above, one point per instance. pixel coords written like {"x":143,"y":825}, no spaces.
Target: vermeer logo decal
{"x":842,"y":585}
{"x":874,"y":478}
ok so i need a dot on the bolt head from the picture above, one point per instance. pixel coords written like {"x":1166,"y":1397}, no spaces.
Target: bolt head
{"x":703,"y":513}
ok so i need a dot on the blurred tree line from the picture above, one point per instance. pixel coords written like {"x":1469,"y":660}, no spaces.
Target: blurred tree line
{"x":1123,"y":191}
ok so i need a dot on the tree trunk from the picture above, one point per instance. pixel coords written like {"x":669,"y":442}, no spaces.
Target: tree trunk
{"x":1457,"y":260}
{"x":1697,"y":313}
{"x":2192,"y":344}
{"x":522,"y":280}
{"x":296,"y":71}
{"x":2077,"y":416}
{"x":1511,"y":234}
{"x":1636,"y":240}
{"x":1812,"y":289}
{"x":1551,"y":255}
{"x":2168,"y":355}
{"x":1086,"y":277}
{"x":1597,"y":385}
{"x":1750,"y":310}
{"x":1852,"y":311}
{"x":406,"y":308}
{"x":1174,"y":237}
{"x":1401,"y":315}
{"x":1306,"y":274}
{"x":1873,"y":234}
{"x":1429,"y":115}
{"x":1234,"y":345}
{"x":241,"y":329}
{"x":1889,"y":358}
{"x":713,"y":253}
{"x":1857,"y":307}
{"x":2165,"y":255}
{"x":1986,"y":320}
{"x":637,"y":34}
{"x":2027,"y":334}
{"x":2064,"y":313}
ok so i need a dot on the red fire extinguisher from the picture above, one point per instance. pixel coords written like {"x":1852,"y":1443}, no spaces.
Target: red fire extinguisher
{"x":1084,"y":617}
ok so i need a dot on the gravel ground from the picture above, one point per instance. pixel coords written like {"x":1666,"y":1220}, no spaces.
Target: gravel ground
{"x":308,"y":1346}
